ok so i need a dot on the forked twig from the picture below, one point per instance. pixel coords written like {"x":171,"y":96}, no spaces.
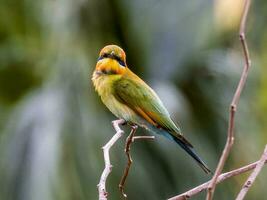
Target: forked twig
{"x":234,"y":103}
{"x":221,"y":178}
{"x":130,"y":139}
{"x":253,"y":176}
{"x":102,"y":193}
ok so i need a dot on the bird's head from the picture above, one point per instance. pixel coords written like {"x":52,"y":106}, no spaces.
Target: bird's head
{"x":112,"y":60}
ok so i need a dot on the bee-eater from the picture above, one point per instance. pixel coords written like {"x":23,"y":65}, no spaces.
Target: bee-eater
{"x":128,"y":97}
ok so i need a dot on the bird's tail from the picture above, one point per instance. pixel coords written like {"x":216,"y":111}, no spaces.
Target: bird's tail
{"x":190,"y":150}
{"x":179,"y":139}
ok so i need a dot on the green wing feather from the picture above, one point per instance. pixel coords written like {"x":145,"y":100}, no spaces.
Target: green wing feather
{"x":138,"y":95}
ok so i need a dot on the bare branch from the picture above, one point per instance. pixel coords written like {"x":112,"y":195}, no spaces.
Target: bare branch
{"x":221,"y":178}
{"x":233,"y":106}
{"x":130,"y":139}
{"x":128,"y":143}
{"x":143,"y":137}
{"x":253,"y":176}
{"x":102,"y":183}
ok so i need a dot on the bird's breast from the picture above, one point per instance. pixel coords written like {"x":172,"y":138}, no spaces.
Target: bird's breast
{"x":104,"y":85}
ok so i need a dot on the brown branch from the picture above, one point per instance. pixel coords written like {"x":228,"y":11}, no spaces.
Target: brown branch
{"x":253,"y":176}
{"x":128,"y":143}
{"x":221,"y":178}
{"x":102,"y":193}
{"x":130,"y":139}
{"x":233,"y":106}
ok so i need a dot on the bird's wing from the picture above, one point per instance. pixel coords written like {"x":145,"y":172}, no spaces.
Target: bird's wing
{"x":142,"y":99}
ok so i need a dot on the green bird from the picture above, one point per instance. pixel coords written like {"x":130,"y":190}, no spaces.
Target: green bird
{"x":129,"y":98}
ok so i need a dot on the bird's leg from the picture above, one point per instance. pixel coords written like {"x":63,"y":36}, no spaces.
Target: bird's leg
{"x":128,"y":143}
{"x":102,"y":183}
{"x":130,"y":139}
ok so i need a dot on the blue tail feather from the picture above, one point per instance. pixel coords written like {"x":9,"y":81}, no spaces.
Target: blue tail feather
{"x":190,"y":150}
{"x":182,"y":142}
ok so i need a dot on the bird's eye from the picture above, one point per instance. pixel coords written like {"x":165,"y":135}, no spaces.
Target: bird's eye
{"x":105,"y":55}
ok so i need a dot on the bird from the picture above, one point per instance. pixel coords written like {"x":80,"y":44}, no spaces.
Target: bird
{"x":129,"y":98}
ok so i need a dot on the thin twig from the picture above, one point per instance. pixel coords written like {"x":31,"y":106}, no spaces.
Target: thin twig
{"x":102,"y":183}
{"x":221,"y":178}
{"x":233,"y":106}
{"x":130,"y":139}
{"x":143,"y":137}
{"x":253,"y":176}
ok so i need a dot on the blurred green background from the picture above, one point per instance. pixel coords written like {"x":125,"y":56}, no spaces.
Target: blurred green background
{"x":53,"y":124}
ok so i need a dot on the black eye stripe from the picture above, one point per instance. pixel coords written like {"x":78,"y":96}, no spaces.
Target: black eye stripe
{"x":120,"y":61}
{"x":105,"y":55}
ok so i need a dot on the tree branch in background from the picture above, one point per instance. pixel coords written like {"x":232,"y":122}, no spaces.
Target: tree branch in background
{"x":130,"y":139}
{"x":102,"y":193}
{"x":225,"y":176}
{"x":253,"y":176}
{"x":233,"y":106}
